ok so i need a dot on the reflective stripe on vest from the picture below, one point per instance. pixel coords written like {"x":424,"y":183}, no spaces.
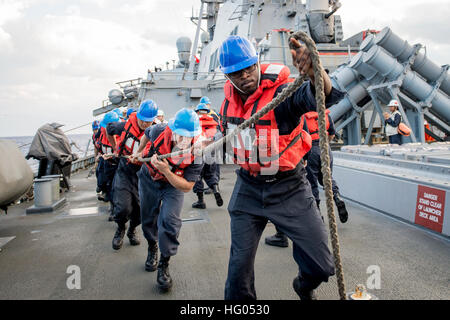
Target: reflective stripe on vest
{"x":104,"y":145}
{"x":130,"y":137}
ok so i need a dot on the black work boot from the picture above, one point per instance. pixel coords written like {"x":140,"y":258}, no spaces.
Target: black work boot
{"x":277,"y":240}
{"x":200,"y":204}
{"x":132,"y":235}
{"x":101,"y":196}
{"x":164,"y":280}
{"x":118,"y":237}
{"x":303,"y":293}
{"x":342,"y":210}
{"x":106,"y":197}
{"x":152,"y":258}
{"x":217,"y":195}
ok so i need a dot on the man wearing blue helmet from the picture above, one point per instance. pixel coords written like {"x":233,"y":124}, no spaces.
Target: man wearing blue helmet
{"x":162,"y":185}
{"x":216,"y":118}
{"x":211,"y":111}
{"x":119,"y":113}
{"x":106,"y":167}
{"x":129,"y":111}
{"x":95,"y":136}
{"x":126,"y":195}
{"x":210,"y":172}
{"x":271,"y":184}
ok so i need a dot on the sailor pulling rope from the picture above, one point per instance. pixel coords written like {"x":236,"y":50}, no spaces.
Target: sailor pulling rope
{"x":324,"y":144}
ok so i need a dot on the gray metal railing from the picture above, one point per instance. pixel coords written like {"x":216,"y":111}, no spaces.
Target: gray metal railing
{"x":83,"y":163}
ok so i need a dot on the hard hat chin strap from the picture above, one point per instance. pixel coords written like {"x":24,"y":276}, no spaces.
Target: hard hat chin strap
{"x":234,"y":85}
{"x":240,"y":90}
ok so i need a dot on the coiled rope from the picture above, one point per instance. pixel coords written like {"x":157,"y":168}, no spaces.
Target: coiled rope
{"x":324,"y":144}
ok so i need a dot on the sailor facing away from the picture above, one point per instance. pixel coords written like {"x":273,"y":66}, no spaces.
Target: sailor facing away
{"x":106,"y":168}
{"x":216,"y":117}
{"x":392,"y":122}
{"x":95,"y":136}
{"x":284,"y":197}
{"x":126,"y":195}
{"x":314,"y":172}
{"x":210,"y":172}
{"x":162,"y":185}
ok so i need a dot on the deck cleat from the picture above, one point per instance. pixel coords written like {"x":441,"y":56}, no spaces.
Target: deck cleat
{"x":361,"y":294}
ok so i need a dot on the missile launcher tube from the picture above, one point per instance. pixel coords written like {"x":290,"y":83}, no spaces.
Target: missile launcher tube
{"x":412,"y":84}
{"x":402,"y":51}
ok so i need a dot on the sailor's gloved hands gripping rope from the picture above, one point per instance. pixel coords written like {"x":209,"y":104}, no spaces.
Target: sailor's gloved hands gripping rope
{"x":302,"y":60}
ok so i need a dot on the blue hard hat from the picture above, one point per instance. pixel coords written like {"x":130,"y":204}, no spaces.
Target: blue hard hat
{"x":186,"y":123}
{"x":96,"y":125}
{"x":205,"y":100}
{"x":130,"y":111}
{"x":201,"y":106}
{"x":147,"y":111}
{"x":236,"y":53}
{"x":108,"y":118}
{"x":119,"y":113}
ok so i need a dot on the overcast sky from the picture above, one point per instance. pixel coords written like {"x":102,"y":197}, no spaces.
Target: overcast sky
{"x":59,"y":59}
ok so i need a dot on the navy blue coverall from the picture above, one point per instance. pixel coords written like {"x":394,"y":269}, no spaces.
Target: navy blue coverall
{"x":125,"y":186}
{"x":161,"y":203}
{"x":211,"y":174}
{"x":105,"y":172}
{"x":287,"y":201}
{"x":314,"y":167}
{"x":211,"y":171}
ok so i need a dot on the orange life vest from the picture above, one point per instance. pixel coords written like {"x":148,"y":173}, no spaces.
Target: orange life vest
{"x":209,"y":125}
{"x":95,"y":142}
{"x":130,"y":138}
{"x":164,"y":145}
{"x":428,"y":138}
{"x":313,"y":123}
{"x":103,"y":144}
{"x":261,"y":146}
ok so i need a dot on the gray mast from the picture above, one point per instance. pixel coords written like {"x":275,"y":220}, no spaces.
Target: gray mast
{"x":194,"y":48}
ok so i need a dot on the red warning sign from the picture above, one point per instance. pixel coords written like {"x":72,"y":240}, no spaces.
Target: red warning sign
{"x":430,"y":208}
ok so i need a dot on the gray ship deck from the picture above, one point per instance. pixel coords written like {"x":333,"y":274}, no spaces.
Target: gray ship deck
{"x":414,"y":263}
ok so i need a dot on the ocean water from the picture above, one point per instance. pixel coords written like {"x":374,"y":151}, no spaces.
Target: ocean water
{"x":79,"y":143}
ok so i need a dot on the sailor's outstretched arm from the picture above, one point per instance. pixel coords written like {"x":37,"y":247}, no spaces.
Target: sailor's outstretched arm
{"x":143,"y":143}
